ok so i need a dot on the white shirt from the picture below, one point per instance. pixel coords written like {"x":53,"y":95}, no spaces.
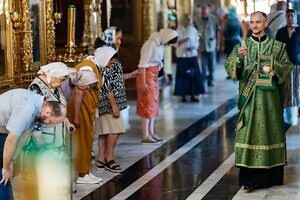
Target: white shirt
{"x":19,"y":109}
{"x":152,"y":54}
{"x":193,"y":42}
{"x":278,"y":22}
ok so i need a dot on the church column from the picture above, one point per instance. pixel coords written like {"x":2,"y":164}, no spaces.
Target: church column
{"x":149,"y":18}
{"x":167,"y":49}
{"x":184,"y":7}
{"x":27,"y":59}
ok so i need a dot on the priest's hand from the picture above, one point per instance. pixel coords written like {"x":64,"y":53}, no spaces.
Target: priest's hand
{"x":242,"y":51}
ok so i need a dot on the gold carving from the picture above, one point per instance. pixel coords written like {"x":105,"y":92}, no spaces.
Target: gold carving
{"x":50,"y":31}
{"x":27,"y":36}
{"x":15,"y":19}
{"x":16,"y":37}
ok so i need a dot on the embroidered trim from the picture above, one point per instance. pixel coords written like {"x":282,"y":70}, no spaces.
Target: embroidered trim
{"x":258,"y":167}
{"x":260,"y":147}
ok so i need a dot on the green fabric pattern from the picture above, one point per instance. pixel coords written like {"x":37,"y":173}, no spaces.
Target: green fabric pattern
{"x":260,"y":137}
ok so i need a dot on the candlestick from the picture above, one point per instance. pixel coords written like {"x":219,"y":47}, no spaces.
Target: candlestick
{"x":69,"y":55}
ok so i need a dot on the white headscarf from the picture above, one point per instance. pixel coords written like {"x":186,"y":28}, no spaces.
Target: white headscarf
{"x":164,"y":35}
{"x":86,"y":77}
{"x":103,"y":55}
{"x":55,"y":70}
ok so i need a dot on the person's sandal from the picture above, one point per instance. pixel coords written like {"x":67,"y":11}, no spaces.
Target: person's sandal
{"x":113,"y":166}
{"x":100,"y":165}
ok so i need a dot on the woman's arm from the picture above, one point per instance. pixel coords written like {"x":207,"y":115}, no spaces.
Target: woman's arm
{"x":77,"y":104}
{"x":113,"y":104}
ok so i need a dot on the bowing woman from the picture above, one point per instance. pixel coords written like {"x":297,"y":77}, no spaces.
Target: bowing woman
{"x":150,"y":63}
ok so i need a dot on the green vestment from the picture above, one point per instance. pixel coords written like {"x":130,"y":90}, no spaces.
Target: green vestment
{"x":260,"y":137}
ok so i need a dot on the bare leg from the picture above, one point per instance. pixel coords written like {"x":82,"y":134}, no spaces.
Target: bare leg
{"x":111,"y":164}
{"x":151,"y":126}
{"x":145,"y":126}
{"x":102,"y":145}
{"x":152,"y":132}
{"x":111,"y":144}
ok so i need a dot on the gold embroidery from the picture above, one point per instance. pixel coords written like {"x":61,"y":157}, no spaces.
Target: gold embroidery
{"x":260,"y":147}
{"x":248,"y":87}
{"x":258,"y":167}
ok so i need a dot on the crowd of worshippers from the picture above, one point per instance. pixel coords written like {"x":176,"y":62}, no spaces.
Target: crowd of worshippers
{"x":47,"y":131}
{"x":49,"y":128}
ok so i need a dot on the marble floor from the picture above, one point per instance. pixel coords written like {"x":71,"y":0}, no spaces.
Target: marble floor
{"x":197,"y":159}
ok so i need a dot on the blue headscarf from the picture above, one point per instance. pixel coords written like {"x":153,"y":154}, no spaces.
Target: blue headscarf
{"x":109,"y":37}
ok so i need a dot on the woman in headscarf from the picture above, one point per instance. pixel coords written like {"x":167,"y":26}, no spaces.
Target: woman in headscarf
{"x":43,"y":139}
{"x":151,"y":57}
{"x":82,"y":107}
{"x":112,"y":100}
{"x":111,"y":37}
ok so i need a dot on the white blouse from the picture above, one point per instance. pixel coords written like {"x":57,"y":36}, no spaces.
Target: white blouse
{"x":152,"y":54}
{"x":193,"y":42}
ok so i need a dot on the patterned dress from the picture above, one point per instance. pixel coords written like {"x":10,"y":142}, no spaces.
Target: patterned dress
{"x":113,"y":83}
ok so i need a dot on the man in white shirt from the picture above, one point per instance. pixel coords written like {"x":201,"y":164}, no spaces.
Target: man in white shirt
{"x":208,"y":29}
{"x":276,"y":19}
{"x":19,"y":110}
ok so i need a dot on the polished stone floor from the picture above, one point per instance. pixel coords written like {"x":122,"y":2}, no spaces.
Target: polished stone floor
{"x":197,"y":159}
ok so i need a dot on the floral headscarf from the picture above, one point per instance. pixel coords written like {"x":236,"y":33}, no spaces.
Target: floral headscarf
{"x":109,"y":36}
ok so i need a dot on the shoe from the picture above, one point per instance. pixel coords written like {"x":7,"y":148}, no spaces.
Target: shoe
{"x":183,"y":99}
{"x":87,"y":179}
{"x":113,"y":166}
{"x":95,"y":177}
{"x":158,"y":139}
{"x":100,"y":165}
{"x":193,"y":99}
{"x":149,"y":141}
{"x":249,"y":188}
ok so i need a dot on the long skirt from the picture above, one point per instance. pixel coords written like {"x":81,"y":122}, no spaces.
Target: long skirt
{"x":261,"y":178}
{"x":188,"y":78}
{"x":147,"y":103}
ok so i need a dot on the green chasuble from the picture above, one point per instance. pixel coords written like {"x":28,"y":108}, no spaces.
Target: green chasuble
{"x":260,"y":137}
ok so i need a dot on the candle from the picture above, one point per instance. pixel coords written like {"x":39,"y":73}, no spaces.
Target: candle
{"x":71,"y":26}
